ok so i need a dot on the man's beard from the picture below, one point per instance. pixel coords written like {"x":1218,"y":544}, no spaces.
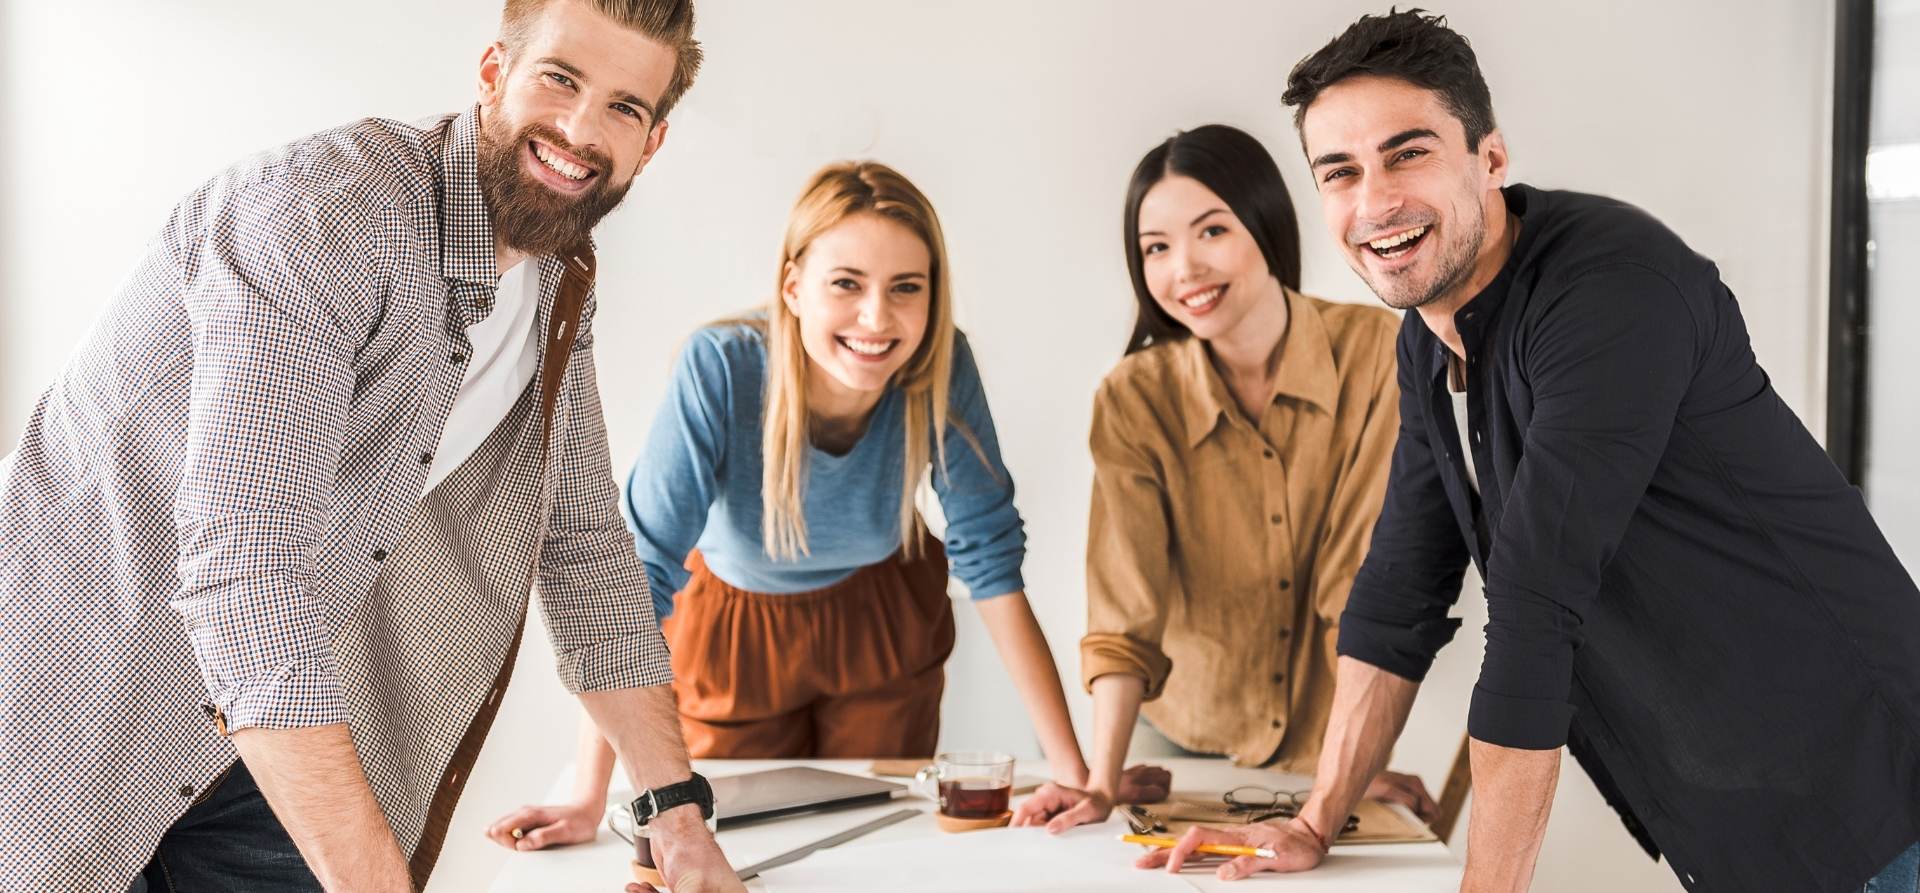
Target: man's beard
{"x":1455,"y":264}
{"x":528,"y":216}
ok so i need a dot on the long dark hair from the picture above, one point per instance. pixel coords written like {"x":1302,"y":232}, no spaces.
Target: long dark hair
{"x":1233,"y":165}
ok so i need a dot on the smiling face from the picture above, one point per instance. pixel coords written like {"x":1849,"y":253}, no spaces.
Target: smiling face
{"x":1403,"y":196}
{"x":567,"y":121}
{"x":861,"y":290}
{"x":1200,"y":264}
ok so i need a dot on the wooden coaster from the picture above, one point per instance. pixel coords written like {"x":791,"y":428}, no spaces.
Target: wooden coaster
{"x":952,"y":825}
{"x":646,"y":875}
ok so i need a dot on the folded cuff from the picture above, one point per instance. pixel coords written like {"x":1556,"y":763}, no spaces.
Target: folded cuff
{"x":1404,"y":651}
{"x":633,"y":661}
{"x":289,"y":697}
{"x":1004,"y":583}
{"x":1102,"y":654}
{"x":1521,"y":723}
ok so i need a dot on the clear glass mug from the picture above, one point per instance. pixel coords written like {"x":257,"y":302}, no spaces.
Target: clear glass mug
{"x":970,"y":784}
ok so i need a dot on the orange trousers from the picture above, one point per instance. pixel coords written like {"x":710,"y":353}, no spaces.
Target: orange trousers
{"x":852,"y":670}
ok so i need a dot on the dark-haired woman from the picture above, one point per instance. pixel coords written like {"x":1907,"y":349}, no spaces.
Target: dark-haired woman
{"x":1240,"y":456}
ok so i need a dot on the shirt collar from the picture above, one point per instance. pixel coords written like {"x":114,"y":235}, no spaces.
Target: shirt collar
{"x":466,"y":232}
{"x":1475,"y":318}
{"x":1306,"y":373}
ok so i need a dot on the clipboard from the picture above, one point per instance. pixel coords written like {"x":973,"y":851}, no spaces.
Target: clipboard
{"x":1377,"y":822}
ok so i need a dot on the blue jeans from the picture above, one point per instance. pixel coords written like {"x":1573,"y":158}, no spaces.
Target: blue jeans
{"x":1903,"y":876}
{"x":229,"y":842}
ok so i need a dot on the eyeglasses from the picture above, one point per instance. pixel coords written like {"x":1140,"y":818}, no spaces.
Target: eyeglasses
{"x":1266,"y":803}
{"x":1253,"y":798}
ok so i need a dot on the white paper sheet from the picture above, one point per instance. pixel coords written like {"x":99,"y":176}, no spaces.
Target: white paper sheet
{"x":1089,"y":859}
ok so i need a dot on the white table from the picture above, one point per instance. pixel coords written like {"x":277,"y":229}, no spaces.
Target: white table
{"x":601,"y":866}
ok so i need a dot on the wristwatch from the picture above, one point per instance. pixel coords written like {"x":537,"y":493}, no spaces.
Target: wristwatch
{"x":654,"y":801}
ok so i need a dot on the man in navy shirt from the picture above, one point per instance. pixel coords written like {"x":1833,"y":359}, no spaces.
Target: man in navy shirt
{"x":1681,"y":587}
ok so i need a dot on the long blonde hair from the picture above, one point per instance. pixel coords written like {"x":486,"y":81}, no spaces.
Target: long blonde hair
{"x":837,"y":192}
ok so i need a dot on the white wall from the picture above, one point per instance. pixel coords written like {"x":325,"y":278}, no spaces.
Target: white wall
{"x":1893,"y":258}
{"x":1022,"y":122}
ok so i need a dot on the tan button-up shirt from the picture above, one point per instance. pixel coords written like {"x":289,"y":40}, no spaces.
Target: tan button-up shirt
{"x":1221,"y":548}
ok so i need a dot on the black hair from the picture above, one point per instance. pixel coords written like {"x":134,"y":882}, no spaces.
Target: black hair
{"x":1235,"y":167}
{"x":1413,"y":46}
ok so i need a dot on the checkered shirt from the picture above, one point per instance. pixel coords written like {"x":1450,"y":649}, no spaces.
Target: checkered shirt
{"x":209,"y":491}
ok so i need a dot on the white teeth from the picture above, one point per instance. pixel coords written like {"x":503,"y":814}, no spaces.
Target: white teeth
{"x":560,"y":166}
{"x":869,"y":348}
{"x":1396,"y":241}
{"x":1204,"y":298}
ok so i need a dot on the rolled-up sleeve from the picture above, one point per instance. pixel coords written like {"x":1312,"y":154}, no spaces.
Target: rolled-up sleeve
{"x":1609,"y":361}
{"x":986,"y":540}
{"x":278,"y":282}
{"x":1130,"y":580}
{"x":1396,"y":614}
{"x":593,"y":588}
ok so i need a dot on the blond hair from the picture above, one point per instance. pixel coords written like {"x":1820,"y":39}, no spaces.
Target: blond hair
{"x":837,"y":192}
{"x":667,"y":21}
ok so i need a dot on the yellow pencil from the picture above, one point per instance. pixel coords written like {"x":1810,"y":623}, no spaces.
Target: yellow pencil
{"x":1218,"y":849}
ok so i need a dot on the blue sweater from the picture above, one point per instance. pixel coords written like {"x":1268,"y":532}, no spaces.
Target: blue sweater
{"x":698,"y":483}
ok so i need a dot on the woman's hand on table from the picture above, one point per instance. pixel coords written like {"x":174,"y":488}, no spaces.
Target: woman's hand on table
{"x":1060,"y":807}
{"x":544,"y":826}
{"x":1294,"y":845}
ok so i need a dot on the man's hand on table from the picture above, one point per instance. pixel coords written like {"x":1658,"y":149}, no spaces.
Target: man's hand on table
{"x":1296,"y":848}
{"x":544,"y":826}
{"x":1144,"y":784}
{"x":1061,"y":807}
{"x":688,"y":856}
{"x":1407,"y":790}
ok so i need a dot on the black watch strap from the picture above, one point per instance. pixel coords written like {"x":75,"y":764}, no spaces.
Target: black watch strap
{"x":653,"y":802}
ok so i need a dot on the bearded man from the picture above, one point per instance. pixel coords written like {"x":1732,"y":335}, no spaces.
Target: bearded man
{"x":269,"y":538}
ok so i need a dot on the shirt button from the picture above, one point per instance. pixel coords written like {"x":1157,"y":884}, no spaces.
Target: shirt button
{"x":186,"y":792}
{"x":1285,"y":633}
{"x":379,"y":554}
{"x":1274,"y":518}
{"x":1286,"y":585}
{"x":1276,"y":724}
{"x":426,"y":458}
{"x":1279,"y":677}
{"x":456,"y":358}
{"x":1267,"y":453}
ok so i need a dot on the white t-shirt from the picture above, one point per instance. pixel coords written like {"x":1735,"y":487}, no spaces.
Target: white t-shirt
{"x":1466,"y":448}
{"x":506,"y":349}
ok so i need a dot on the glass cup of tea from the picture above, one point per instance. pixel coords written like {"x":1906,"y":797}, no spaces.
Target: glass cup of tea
{"x":969,"y":785}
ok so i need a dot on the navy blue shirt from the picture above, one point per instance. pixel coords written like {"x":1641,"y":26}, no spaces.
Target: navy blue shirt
{"x":1680,"y":584}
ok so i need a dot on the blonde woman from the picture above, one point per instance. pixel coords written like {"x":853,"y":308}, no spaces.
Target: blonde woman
{"x":775,"y":497}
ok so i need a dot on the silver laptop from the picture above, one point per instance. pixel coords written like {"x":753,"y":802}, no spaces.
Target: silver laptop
{"x":757,"y":796}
